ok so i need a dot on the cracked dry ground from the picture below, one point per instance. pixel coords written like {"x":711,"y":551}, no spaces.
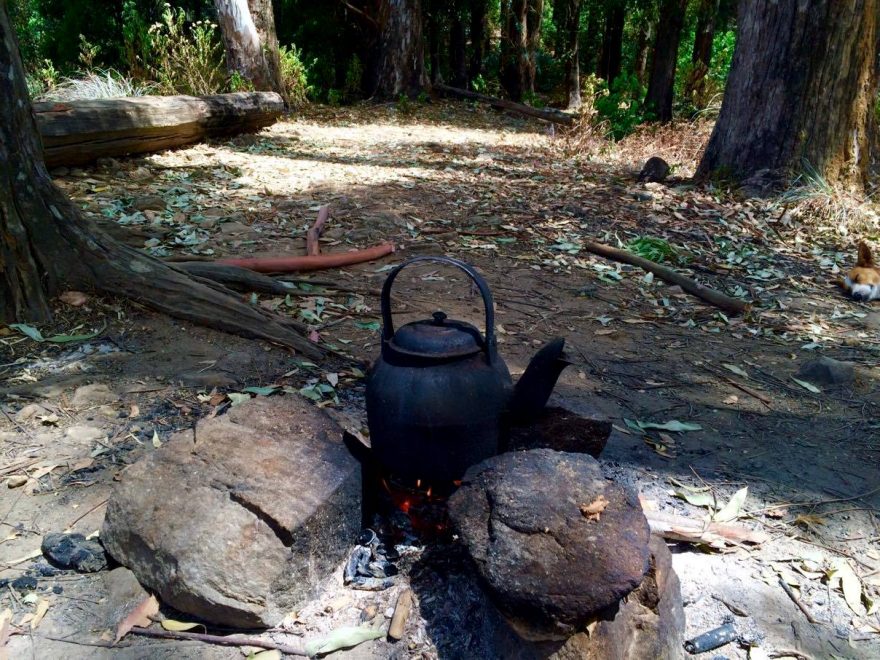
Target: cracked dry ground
{"x":500,"y":193}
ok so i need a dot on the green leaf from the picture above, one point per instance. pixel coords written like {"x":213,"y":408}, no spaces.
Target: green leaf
{"x":66,"y":339}
{"x":807,"y":386}
{"x":368,"y":325}
{"x":238,"y":397}
{"x":732,"y":509}
{"x":28,"y":330}
{"x":672,"y":425}
{"x":262,"y":391}
{"x":704,"y":499}
{"x":311,"y":393}
{"x":735,"y":369}
{"x":342,"y":638}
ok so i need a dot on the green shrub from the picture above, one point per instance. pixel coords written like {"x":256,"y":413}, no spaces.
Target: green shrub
{"x":353,"y":77}
{"x":294,"y":75}
{"x":186,"y":59}
{"x":42,"y":79}
{"x":97,"y":84}
{"x":654,"y":249}
{"x":622,"y":106}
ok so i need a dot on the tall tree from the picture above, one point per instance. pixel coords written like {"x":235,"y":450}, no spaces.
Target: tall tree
{"x":643,"y":47}
{"x":534,"y":20}
{"x":514,"y":50}
{"x":433,"y":25}
{"x":479,"y":31}
{"x":402,"y":61}
{"x":46,"y":244}
{"x":457,"y":44}
{"x":701,"y":58}
{"x":567,"y":15}
{"x":248,"y":28}
{"x":661,"y":82}
{"x":802,"y":89}
{"x":612,"y":40}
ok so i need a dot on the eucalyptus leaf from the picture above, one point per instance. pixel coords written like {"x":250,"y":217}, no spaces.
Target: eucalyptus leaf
{"x":807,"y":386}
{"x":732,"y":509}
{"x":704,"y":499}
{"x":735,"y":369}
{"x":28,"y":330}
{"x":368,"y":325}
{"x":342,"y":638}
{"x":262,"y":391}
{"x":238,"y":397}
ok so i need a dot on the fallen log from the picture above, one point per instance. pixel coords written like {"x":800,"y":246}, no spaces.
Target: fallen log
{"x":547,"y":114}
{"x":711,"y":296}
{"x":309,"y":262}
{"x":78,"y":132}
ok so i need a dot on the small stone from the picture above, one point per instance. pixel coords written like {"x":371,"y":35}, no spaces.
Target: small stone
{"x":654,"y":169}
{"x":24,"y":583}
{"x":140,"y":174}
{"x":93,"y":395}
{"x":83,"y":433}
{"x":57,"y":589}
{"x":30,"y":411}
{"x":827,"y":371}
{"x":148,"y":203}
{"x":547,"y":566}
{"x":642,"y":196}
{"x":16,"y":481}
{"x":74,"y":551}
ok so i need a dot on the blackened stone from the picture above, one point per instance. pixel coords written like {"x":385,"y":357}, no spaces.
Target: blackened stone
{"x":546,"y":565}
{"x":57,"y":589}
{"x":74,"y":551}
{"x":46,"y":570}
{"x":24,"y":583}
{"x":827,"y":371}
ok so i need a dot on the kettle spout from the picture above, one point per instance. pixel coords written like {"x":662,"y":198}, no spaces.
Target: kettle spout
{"x":531,"y":392}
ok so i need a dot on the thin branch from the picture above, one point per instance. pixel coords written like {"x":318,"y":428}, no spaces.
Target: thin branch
{"x":222,"y":640}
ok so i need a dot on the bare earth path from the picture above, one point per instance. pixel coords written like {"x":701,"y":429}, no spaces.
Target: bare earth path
{"x":500,"y":193}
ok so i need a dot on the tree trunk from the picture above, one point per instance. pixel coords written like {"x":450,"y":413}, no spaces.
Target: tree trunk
{"x":457,"y":45}
{"x":432,"y":25}
{"x":801,"y":90}
{"x":248,"y":28}
{"x":701,"y":58}
{"x":643,"y":46}
{"x":478,"y":33}
{"x":612,"y":42}
{"x":514,"y":50}
{"x":589,"y":40}
{"x":402,"y":60}
{"x":662,"y":81}
{"x":46,"y":244}
{"x":567,"y":14}
{"x":79,"y":132}
{"x":534,"y":16}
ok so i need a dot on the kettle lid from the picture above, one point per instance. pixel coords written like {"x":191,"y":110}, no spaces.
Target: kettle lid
{"x":437,"y":338}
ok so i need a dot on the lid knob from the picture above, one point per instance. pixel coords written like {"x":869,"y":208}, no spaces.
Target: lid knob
{"x":439,"y":317}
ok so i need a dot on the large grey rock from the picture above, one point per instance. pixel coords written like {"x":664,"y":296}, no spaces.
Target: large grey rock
{"x":827,"y":371}
{"x":238,"y":521}
{"x":546,"y":565}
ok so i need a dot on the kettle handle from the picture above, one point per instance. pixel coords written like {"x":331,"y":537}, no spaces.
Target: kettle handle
{"x":388,"y":326}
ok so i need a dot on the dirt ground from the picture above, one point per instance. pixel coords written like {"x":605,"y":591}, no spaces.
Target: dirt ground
{"x":506,"y":195}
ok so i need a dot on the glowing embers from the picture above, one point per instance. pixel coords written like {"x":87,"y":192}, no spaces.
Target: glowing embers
{"x":424,"y":505}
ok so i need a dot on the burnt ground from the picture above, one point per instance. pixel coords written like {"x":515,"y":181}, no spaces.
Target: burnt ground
{"x":509,"y":196}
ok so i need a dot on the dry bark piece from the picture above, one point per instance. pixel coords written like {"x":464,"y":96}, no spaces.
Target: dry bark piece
{"x":313,"y":235}
{"x":401,"y":614}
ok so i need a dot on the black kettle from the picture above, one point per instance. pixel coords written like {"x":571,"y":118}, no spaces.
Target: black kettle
{"x":439,"y":397}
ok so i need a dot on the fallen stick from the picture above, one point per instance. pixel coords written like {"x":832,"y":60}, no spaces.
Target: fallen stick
{"x":306,"y":263}
{"x":682,"y":528}
{"x":313,"y":235}
{"x":547,"y":114}
{"x":711,"y":296}
{"x":222,"y":640}
{"x":401,"y":614}
{"x":797,"y":601}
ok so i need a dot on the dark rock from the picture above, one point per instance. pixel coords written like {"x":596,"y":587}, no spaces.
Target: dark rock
{"x":655,"y":169}
{"x":45,"y":570}
{"x":547,"y":567}
{"x":57,"y":589}
{"x":74,"y":551}
{"x":24,"y":583}
{"x":238,"y":521}
{"x":124,"y":594}
{"x":564,"y":425}
{"x":148,"y":203}
{"x":827,"y":371}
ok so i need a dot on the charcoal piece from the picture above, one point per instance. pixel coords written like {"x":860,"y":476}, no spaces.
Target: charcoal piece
{"x":74,"y":551}
{"x":24,"y":583}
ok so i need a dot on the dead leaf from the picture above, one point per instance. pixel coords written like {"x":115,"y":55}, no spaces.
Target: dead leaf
{"x":216,"y":399}
{"x":40,"y":612}
{"x":271,"y":654}
{"x":809,"y":520}
{"x":139,"y":616}
{"x":156,"y":441}
{"x":134,"y":411}
{"x":73,"y":298}
{"x":180,"y":626}
{"x":732,"y":509}
{"x":733,"y":398}
{"x":593,"y":510}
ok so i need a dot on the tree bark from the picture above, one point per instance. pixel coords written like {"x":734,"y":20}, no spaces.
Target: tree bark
{"x":248,"y":28}
{"x":801,"y":91}
{"x":514,"y":50}
{"x":662,"y":80}
{"x":457,"y":46}
{"x":643,"y":46}
{"x":479,"y":31}
{"x":79,"y":132}
{"x":402,"y":60}
{"x":432,"y":25}
{"x":46,"y":244}
{"x":534,"y":17}
{"x":612,"y":41}
{"x":567,"y":14}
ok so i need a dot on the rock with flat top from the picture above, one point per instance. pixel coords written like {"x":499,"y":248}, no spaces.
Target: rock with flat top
{"x":236,"y":522}
{"x":96,"y":394}
{"x":553,"y":540}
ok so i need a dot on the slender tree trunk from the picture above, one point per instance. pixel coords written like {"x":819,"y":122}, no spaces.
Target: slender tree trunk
{"x":402,"y":65}
{"x":643,"y":47}
{"x":567,"y":14}
{"x":612,"y":42}
{"x":701,"y":58}
{"x":248,"y":28}
{"x":478,"y":33}
{"x":589,"y":46}
{"x":457,"y":46}
{"x":514,"y":50}
{"x":435,"y":8}
{"x":534,"y":16}
{"x":662,"y":80}
{"x":46,"y":244}
{"x":801,"y":90}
